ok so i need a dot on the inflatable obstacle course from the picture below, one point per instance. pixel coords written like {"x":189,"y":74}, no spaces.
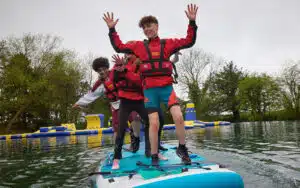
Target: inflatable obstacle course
{"x":191,"y":121}
{"x":95,"y":125}
{"x":94,"y":121}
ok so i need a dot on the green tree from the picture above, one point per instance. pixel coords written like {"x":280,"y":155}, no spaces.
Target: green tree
{"x":259,"y":94}
{"x":39,"y":81}
{"x":223,"y":89}
{"x":290,"y":87}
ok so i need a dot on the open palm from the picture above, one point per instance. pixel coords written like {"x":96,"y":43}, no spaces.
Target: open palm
{"x":118,"y":60}
{"x":191,"y":12}
{"x":109,"y":19}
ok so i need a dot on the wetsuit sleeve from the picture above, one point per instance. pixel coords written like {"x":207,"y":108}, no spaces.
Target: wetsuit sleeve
{"x":177,"y":44}
{"x":118,"y":45}
{"x":97,"y":91}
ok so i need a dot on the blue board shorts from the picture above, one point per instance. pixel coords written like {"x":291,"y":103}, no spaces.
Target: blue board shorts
{"x":155,"y":96}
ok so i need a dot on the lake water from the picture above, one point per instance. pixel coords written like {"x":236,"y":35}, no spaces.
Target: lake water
{"x":265,"y":154}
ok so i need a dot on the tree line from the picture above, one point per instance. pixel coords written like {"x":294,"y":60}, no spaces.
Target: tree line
{"x":222,"y":90}
{"x":40,"y":80}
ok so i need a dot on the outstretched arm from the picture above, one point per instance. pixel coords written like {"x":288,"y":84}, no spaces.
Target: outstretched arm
{"x":91,"y":96}
{"x":115,"y":40}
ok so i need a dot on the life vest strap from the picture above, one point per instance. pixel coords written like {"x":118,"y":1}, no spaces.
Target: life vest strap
{"x":161,"y":59}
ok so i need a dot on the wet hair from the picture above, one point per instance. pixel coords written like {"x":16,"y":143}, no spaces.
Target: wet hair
{"x":147,"y":20}
{"x":100,"y":62}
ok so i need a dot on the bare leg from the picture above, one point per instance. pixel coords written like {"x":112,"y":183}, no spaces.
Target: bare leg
{"x":153,"y":133}
{"x":179,"y":123}
{"x":181,"y":151}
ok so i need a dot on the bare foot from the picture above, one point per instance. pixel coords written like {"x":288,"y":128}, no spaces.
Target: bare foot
{"x":161,"y":157}
{"x":115,"y":164}
{"x":130,"y":148}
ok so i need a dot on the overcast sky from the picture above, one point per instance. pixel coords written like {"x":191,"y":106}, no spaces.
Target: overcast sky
{"x":258,"y":35}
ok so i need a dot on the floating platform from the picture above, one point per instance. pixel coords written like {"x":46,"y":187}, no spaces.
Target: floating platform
{"x":95,"y":125}
{"x":61,"y":131}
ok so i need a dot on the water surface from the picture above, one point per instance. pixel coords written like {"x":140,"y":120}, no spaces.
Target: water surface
{"x":265,"y":154}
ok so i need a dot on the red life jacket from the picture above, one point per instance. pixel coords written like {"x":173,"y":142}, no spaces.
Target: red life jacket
{"x":129,"y":83}
{"x":125,"y":84}
{"x":173,"y":45}
{"x":158,"y":66}
{"x":110,"y":91}
{"x":110,"y":88}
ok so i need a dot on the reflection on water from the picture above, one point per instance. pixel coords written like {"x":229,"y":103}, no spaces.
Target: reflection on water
{"x":266,"y":155}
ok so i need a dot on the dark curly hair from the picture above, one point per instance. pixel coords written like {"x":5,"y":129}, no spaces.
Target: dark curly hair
{"x":147,"y":20}
{"x":100,"y":62}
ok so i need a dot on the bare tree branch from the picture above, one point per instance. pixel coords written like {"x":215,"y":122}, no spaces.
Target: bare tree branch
{"x":290,"y":85}
{"x":195,"y":67}
{"x":87,"y":62}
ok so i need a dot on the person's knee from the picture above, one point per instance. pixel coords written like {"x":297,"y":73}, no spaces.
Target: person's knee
{"x":177,"y":114}
{"x":179,"y":119}
{"x":154,"y":126}
{"x":154,"y":129}
{"x":154,"y":122}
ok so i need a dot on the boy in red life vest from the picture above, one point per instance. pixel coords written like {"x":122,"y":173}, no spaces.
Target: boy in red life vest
{"x":103,"y":87}
{"x":129,"y":87}
{"x":135,"y":63}
{"x":156,"y":70}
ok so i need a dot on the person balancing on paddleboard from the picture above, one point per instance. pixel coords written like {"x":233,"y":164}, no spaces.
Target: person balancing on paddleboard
{"x":129,"y":86}
{"x":104,"y":86}
{"x":156,"y":71}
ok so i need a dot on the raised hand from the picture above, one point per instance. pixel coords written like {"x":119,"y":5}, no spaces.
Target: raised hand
{"x":191,"y":12}
{"x":109,"y":19}
{"x":120,"y":63}
{"x":118,"y":60}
